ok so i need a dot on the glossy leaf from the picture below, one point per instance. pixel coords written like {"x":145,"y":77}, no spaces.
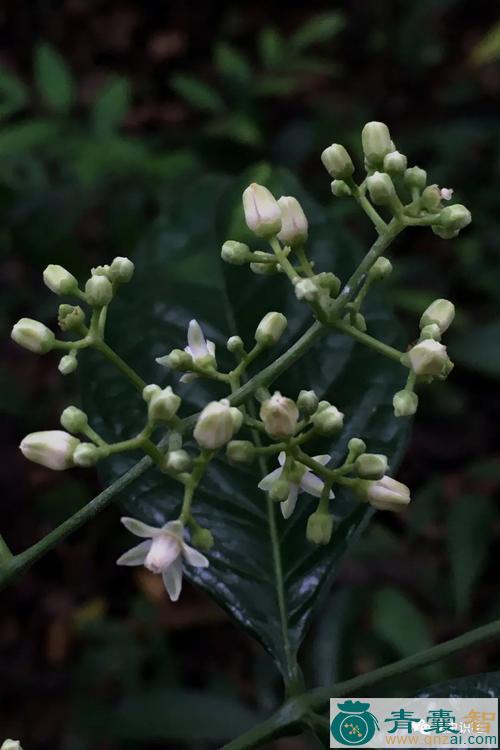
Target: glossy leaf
{"x":485,"y":685}
{"x":271,"y":581}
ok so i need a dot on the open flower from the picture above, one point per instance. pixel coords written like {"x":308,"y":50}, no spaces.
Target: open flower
{"x":308,"y":482}
{"x":198,"y":347}
{"x":162,"y":552}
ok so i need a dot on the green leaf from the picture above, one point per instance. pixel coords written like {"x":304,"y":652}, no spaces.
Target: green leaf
{"x":111,"y":106}
{"x":26,"y":136}
{"x":470,"y":533}
{"x":486,"y":685}
{"x":13,"y":93}
{"x":320,"y":28}
{"x":398,"y":621}
{"x":262,"y":569}
{"x":53,"y":79}
{"x":272,"y":48}
{"x":488,"y":49}
{"x":478,"y":349}
{"x":197,"y":93}
{"x":232,"y":65}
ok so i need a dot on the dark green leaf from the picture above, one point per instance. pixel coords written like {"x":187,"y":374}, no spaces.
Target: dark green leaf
{"x":13,"y":93}
{"x":178,"y":277}
{"x":272,"y":48}
{"x":318,"y":29}
{"x":111,"y":106}
{"x":400,"y":623}
{"x":53,"y":79}
{"x":485,"y":685}
{"x":232,"y":65}
{"x":197,"y":93}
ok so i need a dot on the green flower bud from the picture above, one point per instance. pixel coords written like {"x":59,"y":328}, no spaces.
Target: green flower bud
{"x":163,"y":405}
{"x":99,"y":291}
{"x":240,"y":452}
{"x":270,"y":329}
{"x":86,"y":454}
{"x":356,"y":447}
{"x":307,"y":402}
{"x":385,"y":494}
{"x":67,"y":364}
{"x":441,"y":312}
{"x":444,"y":232}
{"x":294,"y":225}
{"x":33,"y":335}
{"x":340,"y":189}
{"x":59,"y":280}
{"x":262,"y":213}
{"x":323,"y":405}
{"x":431,"y":198}
{"x":381,"y":188}
{"x":371,"y":466}
{"x":328,"y":421}
{"x":280,"y":416}
{"x":178,"y":359}
{"x":405,"y":404}
{"x":179,"y":461}
{"x":319,"y":528}
{"x":149,"y":391}
{"x":431,"y":331}
{"x":328,"y":280}
{"x":381,"y":269}
{"x":70,"y":317}
{"x":121,"y":270}
{"x":101,"y":271}
{"x":306,"y":289}
{"x":74,"y":419}
{"x":235,"y":345}
{"x":395,"y":163}
{"x":428,"y":358}
{"x":237,"y":418}
{"x":376,"y":141}
{"x":455,"y":217}
{"x":264,"y":268}
{"x":215,"y":426}
{"x":202,"y":539}
{"x":415,"y":178}
{"x":236,"y":253}
{"x":337,"y":162}
{"x":279,"y":491}
{"x":51,"y":448}
{"x":359,"y":321}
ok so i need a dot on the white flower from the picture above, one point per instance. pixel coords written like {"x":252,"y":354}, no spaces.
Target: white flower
{"x":162,"y":552}
{"x":446,"y":194}
{"x":309,"y":483}
{"x":198,"y":347}
{"x":51,"y":448}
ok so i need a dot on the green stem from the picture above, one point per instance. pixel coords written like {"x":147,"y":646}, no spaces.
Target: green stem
{"x":364,"y":338}
{"x":5,"y":553}
{"x":283,"y":260}
{"x":304,"y":261}
{"x":370,"y":211}
{"x":192,"y":483}
{"x":120,"y":364}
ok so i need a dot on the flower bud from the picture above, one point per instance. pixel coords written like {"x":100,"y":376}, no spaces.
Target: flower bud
{"x":307,"y":402}
{"x":270,"y":329}
{"x":358,"y":322}
{"x":441,"y":312}
{"x":178,"y":360}
{"x":67,"y":364}
{"x":70,"y":317}
{"x":340,"y":189}
{"x":328,"y":280}
{"x":446,"y":194}
{"x":202,"y":539}
{"x":33,"y":335}
{"x":381,"y":269}
{"x":428,"y":357}
{"x":444,"y":232}
{"x":279,"y":491}
{"x":376,"y":141}
{"x":381,"y":188}
{"x":294,"y":225}
{"x":415,"y":178}
{"x":11,"y":745}
{"x":431,"y":331}
{"x":280,"y":416}
{"x":337,"y":162}
{"x":262,"y":213}
{"x":264,"y":268}
{"x":86,"y":454}
{"x":306,"y":289}
{"x":121,"y":270}
{"x":237,"y":418}
{"x":235,"y":345}
{"x":149,"y":391}
{"x":163,"y":406}
{"x":215,"y":426}
{"x":431,"y":198}
{"x":387,"y":494}
{"x":99,"y":291}
{"x":178,"y":461}
{"x":395,"y":163}
{"x":74,"y":419}
{"x":51,"y":448}
{"x":328,"y":421}
{"x":234,"y":252}
{"x":371,"y":466}
{"x":455,"y":217}
{"x":405,"y":403}
{"x":240,"y":452}
{"x":101,"y":271}
{"x":356,"y":447}
{"x":59,"y":280}
{"x":319,"y":528}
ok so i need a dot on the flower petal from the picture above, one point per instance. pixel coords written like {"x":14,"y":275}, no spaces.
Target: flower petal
{"x":211,"y":348}
{"x":267,"y":482}
{"x":323,"y":459}
{"x":282,"y":458}
{"x":174,"y":527}
{"x":196,"y":340}
{"x":138,"y":527}
{"x":312,"y":484}
{"x":288,"y":506}
{"x":188,"y":377}
{"x":163,"y":361}
{"x":172,"y":578}
{"x":136,"y":555}
{"x":193,"y":557}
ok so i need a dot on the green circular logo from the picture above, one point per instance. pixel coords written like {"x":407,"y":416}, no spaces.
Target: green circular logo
{"x":354,"y":724}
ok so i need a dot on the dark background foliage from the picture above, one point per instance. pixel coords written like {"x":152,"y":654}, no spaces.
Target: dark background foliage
{"x":108,"y":111}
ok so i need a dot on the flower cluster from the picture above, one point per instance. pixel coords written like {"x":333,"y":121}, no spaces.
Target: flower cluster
{"x":253,"y":422}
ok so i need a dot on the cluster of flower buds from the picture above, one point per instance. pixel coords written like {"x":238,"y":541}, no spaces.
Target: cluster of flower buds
{"x":11,"y":745}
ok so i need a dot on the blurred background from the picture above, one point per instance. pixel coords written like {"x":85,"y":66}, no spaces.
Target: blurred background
{"x":107,"y":109}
